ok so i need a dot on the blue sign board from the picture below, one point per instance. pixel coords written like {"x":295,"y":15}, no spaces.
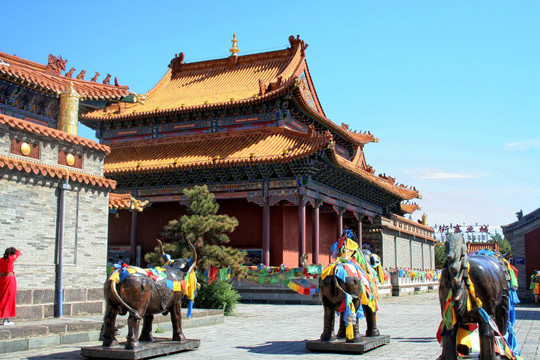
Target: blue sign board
{"x":519,"y":261}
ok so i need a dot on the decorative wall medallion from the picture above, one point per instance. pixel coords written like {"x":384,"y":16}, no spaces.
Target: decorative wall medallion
{"x":70,"y":159}
{"x":25,"y":149}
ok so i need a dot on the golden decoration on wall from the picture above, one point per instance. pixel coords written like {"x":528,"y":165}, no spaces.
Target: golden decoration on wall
{"x":70,"y":159}
{"x":25,"y":149}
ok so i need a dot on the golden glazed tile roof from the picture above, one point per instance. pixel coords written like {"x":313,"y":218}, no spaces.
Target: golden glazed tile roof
{"x":125,"y":201}
{"x":222,"y":82}
{"x":51,"y":133}
{"x":41,"y":77}
{"x":208,"y":150}
{"x":382,"y":181}
{"x":31,"y":167}
{"x":409,"y":208}
{"x":232,"y":81}
{"x":245,"y":147}
{"x":119,"y":201}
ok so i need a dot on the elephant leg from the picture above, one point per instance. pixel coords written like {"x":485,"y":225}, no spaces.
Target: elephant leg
{"x":357,"y":337}
{"x":176,"y":319}
{"x":371,"y":321}
{"x":108,"y":328}
{"x":487,"y":350}
{"x":133,"y":333}
{"x":448,"y":343}
{"x":146,"y":333}
{"x":328,"y":328}
{"x":341,"y":330}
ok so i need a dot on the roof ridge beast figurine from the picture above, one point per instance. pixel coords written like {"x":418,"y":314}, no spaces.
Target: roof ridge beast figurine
{"x":477,"y":288}
{"x":146,"y":292}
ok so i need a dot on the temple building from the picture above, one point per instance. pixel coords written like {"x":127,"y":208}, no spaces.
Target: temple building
{"x":253,"y":130}
{"x":524,"y":237}
{"x":54,"y":195}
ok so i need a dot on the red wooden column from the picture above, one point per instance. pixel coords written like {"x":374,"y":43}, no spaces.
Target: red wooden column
{"x":133,"y":239}
{"x":266,"y":232}
{"x":359,"y":217}
{"x":301,"y":226}
{"x":316,"y":231}
{"x":340,"y":221}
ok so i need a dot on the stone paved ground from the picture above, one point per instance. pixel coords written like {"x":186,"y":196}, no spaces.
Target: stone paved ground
{"x":280,"y":332}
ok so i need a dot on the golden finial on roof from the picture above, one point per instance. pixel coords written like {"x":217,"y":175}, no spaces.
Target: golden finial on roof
{"x":234,"y":50}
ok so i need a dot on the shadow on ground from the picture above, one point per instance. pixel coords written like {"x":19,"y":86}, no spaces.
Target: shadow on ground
{"x":278,"y":347}
{"x":71,"y":355}
{"x":414,"y":339}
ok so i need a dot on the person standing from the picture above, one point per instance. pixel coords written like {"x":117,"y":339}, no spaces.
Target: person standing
{"x":8,"y":286}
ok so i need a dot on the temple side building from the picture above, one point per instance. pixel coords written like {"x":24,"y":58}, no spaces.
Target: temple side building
{"x":524,"y":237}
{"x":253,"y":130}
{"x":54,"y":196}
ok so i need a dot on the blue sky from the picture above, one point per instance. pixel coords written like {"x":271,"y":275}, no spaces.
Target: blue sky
{"x":451,"y":88}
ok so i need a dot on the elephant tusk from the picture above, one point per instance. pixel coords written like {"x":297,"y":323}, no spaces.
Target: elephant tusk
{"x":194,"y":250}
{"x":161,"y":247}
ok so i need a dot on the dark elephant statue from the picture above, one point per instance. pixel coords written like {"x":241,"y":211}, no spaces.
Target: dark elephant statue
{"x":353,"y":282}
{"x":143,"y":294}
{"x":475,"y":288}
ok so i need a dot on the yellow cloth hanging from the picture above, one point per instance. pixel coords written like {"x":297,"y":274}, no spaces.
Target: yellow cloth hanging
{"x":191,"y":285}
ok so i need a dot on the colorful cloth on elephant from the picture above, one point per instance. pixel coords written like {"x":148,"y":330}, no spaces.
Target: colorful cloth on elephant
{"x":369,"y":293}
{"x":156,"y":274}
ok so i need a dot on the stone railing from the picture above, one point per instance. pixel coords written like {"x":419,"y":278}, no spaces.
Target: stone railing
{"x":406,"y":285}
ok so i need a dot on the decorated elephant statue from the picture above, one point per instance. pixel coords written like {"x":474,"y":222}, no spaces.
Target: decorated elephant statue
{"x":145,"y":292}
{"x":476,"y":288}
{"x":349,"y":286}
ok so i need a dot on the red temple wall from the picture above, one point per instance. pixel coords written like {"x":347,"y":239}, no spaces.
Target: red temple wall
{"x":284,"y":243}
{"x":532,"y":249}
{"x":248,"y":233}
{"x":327,"y":236}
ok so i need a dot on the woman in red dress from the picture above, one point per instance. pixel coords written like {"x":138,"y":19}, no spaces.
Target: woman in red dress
{"x":8,"y":286}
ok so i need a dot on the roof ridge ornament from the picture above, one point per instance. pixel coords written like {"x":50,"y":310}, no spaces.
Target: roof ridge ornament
{"x":234,"y":50}
{"x":176,"y":63}
{"x":56,"y":65}
{"x":298,"y":42}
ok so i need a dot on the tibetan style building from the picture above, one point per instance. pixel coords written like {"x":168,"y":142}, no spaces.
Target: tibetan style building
{"x":524,"y":236}
{"x":253,"y":130}
{"x":54,"y":196}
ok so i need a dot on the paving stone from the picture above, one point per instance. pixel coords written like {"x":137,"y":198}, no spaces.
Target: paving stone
{"x":281,"y":332}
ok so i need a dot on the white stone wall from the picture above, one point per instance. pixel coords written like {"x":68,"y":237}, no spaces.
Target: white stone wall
{"x":28,"y":221}
{"x":403,"y":252}
{"x":417,"y":253}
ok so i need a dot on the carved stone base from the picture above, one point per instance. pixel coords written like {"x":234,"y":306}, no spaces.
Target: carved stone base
{"x":340,"y":346}
{"x":160,"y":347}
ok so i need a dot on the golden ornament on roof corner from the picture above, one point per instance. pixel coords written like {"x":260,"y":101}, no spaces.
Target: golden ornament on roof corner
{"x":137,"y":204}
{"x":234,"y":50}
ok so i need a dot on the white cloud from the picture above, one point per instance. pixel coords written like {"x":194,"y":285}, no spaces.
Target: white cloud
{"x":522,"y":145}
{"x":440,"y":175}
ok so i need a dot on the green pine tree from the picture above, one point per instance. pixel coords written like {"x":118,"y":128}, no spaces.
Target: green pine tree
{"x":440,"y":255}
{"x":504,"y":245}
{"x":206,"y":230}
